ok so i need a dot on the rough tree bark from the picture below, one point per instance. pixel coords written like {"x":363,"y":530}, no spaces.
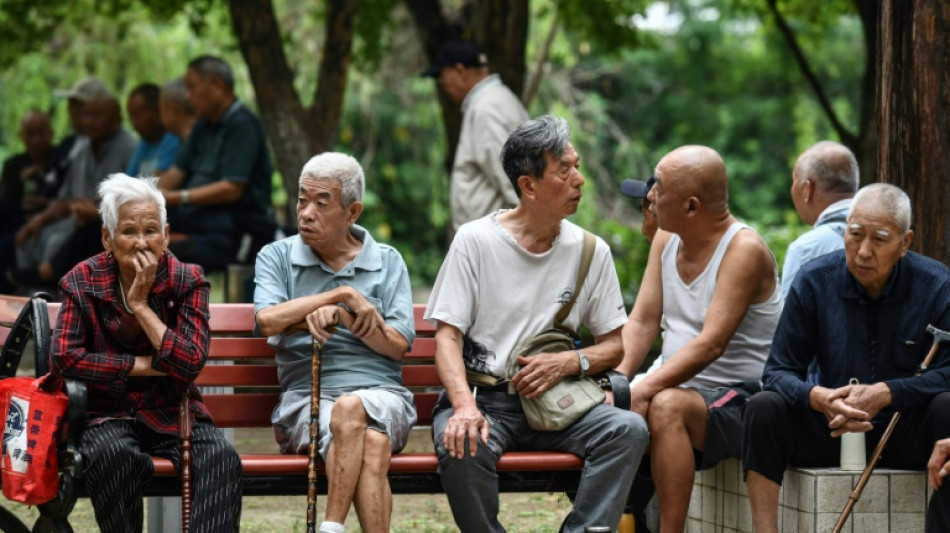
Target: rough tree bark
{"x":913,"y":51}
{"x":295,"y":132}
{"x":500,"y":27}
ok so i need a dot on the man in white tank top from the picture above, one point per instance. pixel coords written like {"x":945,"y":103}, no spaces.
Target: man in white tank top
{"x":711,"y":283}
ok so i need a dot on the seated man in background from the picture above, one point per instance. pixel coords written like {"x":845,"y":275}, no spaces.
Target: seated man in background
{"x":22,"y":184}
{"x":333,"y":274}
{"x":156,"y":151}
{"x":859,"y":313}
{"x":505,"y":278}
{"x":712,"y":283}
{"x":68,"y":230}
{"x":220,"y":184}
{"x":177,"y":114}
{"x":824,"y":180}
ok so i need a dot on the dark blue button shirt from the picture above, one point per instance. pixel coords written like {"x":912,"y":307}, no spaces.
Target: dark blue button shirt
{"x":828,"y":316}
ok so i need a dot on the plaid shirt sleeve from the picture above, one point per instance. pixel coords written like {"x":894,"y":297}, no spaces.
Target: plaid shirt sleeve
{"x":76,"y":325}
{"x":184,"y":348}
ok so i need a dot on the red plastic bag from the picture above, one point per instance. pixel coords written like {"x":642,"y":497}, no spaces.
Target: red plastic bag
{"x":35,"y":412}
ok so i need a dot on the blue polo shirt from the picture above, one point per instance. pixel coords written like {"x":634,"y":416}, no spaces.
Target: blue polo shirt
{"x":149,"y":157}
{"x":289,"y":269}
{"x":829,"y":317}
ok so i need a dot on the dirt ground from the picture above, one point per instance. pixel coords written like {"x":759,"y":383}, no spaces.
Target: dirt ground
{"x":423,"y":513}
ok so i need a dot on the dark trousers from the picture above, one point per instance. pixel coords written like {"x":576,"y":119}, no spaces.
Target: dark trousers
{"x":119,"y":463}
{"x":776,"y":436}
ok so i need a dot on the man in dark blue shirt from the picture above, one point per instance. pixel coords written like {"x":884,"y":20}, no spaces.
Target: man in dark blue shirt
{"x":219,"y":188}
{"x":860,"y":313}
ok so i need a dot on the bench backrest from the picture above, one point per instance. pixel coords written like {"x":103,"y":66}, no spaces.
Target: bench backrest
{"x":245,"y":363}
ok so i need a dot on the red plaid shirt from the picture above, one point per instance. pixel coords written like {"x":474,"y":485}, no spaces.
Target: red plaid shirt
{"x":96,"y":341}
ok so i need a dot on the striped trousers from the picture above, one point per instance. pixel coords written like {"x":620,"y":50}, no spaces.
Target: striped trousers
{"x":118,"y":463}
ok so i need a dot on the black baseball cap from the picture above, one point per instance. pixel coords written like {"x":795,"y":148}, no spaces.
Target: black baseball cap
{"x":636,"y":188}
{"x":455,"y":52}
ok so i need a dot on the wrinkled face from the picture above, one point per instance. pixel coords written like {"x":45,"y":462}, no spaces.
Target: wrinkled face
{"x":203,"y":94}
{"x":873,"y":244}
{"x":559,"y":190}
{"x":144,"y":118}
{"x":101,"y":119}
{"x":321,"y":218}
{"x":452,"y":80}
{"x":138,"y":231}
{"x":37,"y":136}
{"x":649,"y":226}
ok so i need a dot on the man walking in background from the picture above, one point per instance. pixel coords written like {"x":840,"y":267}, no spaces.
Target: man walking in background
{"x":490,"y":112}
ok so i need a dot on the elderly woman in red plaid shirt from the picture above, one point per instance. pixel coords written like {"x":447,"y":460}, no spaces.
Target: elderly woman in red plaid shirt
{"x":134,"y":326}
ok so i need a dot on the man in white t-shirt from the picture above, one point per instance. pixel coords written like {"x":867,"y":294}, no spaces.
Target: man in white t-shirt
{"x":711,"y":283}
{"x":504,"y":279}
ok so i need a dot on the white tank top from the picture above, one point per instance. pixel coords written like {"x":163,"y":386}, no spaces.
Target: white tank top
{"x":684,"y":312}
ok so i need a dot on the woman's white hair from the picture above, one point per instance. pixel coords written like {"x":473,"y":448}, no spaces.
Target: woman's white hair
{"x":340,"y":167}
{"x":120,"y":189}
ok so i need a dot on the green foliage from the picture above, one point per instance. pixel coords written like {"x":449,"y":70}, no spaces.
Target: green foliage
{"x":721,"y":77}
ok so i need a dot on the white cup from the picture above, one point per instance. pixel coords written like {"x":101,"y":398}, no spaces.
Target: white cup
{"x":853,"y":454}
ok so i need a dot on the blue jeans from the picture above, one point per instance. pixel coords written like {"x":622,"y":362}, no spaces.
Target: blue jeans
{"x":611,"y":441}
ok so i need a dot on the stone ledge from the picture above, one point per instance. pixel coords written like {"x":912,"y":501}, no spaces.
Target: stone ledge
{"x":811,"y":501}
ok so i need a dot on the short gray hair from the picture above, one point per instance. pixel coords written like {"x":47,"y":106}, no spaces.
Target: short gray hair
{"x":342,"y":168}
{"x":120,"y":189}
{"x":174,"y":91}
{"x":525,"y":152}
{"x":208,"y":66}
{"x":832,"y":166}
{"x":887,"y":199}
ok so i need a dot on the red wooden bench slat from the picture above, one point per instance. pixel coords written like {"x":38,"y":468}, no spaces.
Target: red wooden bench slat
{"x":239,"y":347}
{"x":237,"y":376}
{"x":243,"y":410}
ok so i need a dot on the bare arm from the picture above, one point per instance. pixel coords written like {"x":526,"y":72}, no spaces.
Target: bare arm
{"x":171,"y":179}
{"x":219,"y":192}
{"x":644,"y":323}
{"x":385,"y":340}
{"x":277,"y":318}
{"x":746,"y":276}
{"x":466,"y":422}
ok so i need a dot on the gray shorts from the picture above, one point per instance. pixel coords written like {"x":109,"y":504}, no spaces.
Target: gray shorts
{"x":724,"y":425}
{"x":390,"y":409}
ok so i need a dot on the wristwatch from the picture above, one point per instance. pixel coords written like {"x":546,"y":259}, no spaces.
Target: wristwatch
{"x":583,"y":362}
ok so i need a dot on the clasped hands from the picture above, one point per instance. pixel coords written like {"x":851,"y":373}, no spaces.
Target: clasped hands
{"x":362,"y":319}
{"x":850,"y":409}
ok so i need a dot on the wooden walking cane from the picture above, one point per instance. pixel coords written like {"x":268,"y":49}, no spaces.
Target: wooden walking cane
{"x":314,"y":430}
{"x":184,"y":434}
{"x":939,"y":336}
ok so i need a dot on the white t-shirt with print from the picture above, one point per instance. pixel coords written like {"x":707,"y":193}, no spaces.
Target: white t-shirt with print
{"x":497,"y":293}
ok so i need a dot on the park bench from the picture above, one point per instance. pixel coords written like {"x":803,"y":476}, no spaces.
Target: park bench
{"x":244,"y":363}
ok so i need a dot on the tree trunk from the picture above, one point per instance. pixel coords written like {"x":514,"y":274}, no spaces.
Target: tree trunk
{"x":865,"y":145}
{"x":914,"y":122}
{"x":295,"y":133}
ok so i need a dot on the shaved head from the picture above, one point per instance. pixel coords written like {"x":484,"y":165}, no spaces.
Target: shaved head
{"x":696,"y":171}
